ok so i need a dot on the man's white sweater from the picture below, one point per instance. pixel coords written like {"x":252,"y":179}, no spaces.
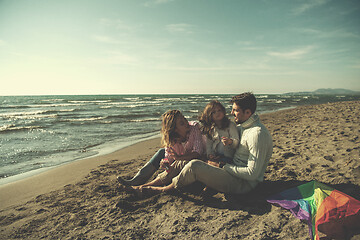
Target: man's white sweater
{"x":254,"y":151}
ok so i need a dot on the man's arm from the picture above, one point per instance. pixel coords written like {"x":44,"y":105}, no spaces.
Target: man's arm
{"x":258,"y":145}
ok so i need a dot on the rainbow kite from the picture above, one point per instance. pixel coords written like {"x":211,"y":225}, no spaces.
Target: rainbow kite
{"x":324,"y":209}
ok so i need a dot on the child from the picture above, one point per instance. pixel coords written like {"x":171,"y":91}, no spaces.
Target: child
{"x":182,"y":141}
{"x":222,"y":134}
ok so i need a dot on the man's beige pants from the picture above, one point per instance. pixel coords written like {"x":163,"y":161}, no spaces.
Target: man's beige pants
{"x":214,"y":177}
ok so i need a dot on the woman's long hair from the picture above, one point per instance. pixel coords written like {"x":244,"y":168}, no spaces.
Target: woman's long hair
{"x":168,"y":125}
{"x":206,"y":120}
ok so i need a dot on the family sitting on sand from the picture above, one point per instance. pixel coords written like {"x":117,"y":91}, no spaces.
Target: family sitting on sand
{"x":216,"y":152}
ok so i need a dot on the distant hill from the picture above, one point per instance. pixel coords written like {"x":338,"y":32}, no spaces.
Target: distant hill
{"x":327,"y":91}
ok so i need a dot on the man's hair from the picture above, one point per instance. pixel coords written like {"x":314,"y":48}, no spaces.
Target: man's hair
{"x":245,"y":101}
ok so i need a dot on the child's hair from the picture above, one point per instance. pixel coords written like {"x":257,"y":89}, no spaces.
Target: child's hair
{"x":206,"y":120}
{"x":168,"y":134}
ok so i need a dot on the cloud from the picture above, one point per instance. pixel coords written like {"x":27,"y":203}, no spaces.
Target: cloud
{"x":294,"y":54}
{"x":337,"y":33}
{"x":180,"y":28}
{"x":307,"y":6}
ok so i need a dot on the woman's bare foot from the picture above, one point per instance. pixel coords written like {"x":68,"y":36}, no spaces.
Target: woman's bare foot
{"x":161,"y":189}
{"x":137,"y":187}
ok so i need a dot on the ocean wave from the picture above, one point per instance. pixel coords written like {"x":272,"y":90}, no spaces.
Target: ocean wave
{"x":40,"y":105}
{"x":66,"y":110}
{"x":142,"y":105}
{"x":133,"y":115}
{"x":84,"y":119}
{"x":14,"y":107}
{"x":55,"y":105}
{"x":91,"y":101}
{"x":196,"y":97}
{"x":133,"y":104}
{"x":12,"y":127}
{"x":276,"y":100}
{"x":169,"y":99}
{"x":145,"y":120}
{"x":131,"y":98}
{"x":34,"y":114}
{"x":53,"y":100}
{"x":27,"y":115}
{"x":22,"y":113}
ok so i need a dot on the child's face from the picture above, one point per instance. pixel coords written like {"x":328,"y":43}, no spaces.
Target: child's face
{"x":182,"y":127}
{"x":217,"y":114}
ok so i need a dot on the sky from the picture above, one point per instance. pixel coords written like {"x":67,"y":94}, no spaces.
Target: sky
{"x":51,"y":47}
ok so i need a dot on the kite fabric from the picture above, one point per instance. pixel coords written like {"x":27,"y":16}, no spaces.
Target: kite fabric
{"x":325,"y":209}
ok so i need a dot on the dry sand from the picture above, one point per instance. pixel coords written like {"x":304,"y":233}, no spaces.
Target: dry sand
{"x":82,"y":200}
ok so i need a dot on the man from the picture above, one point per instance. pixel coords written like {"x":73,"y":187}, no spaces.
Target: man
{"x":250,"y":160}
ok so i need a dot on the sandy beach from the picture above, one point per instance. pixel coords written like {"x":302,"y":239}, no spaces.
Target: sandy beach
{"x":82,"y":200}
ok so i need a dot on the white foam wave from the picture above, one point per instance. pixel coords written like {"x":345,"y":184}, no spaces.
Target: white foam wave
{"x":54,"y":105}
{"x":145,"y":120}
{"x":132,"y":99}
{"x":91,"y":101}
{"x":139,"y":105}
{"x":66,"y":110}
{"x":22,"y":113}
{"x":27,"y":115}
{"x":12,"y":127}
{"x":84,"y":119}
{"x":53,"y":100}
{"x":168,"y":99}
{"x":13,"y":116}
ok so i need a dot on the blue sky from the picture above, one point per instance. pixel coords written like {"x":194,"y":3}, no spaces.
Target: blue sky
{"x":178,"y":46}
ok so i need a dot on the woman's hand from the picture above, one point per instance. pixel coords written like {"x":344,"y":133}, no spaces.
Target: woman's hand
{"x":226,"y":141}
{"x":164,"y":164}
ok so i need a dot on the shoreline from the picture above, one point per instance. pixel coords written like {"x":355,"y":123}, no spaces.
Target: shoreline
{"x":56,"y":177}
{"x":83,"y":199}
{"x":101,"y":150}
{"x":9,"y":185}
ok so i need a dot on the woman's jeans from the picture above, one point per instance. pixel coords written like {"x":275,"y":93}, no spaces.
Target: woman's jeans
{"x":155,"y":160}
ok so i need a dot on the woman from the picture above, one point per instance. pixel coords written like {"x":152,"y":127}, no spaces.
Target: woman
{"x":182,"y":142}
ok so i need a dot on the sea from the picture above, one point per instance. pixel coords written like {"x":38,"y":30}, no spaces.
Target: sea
{"x":41,"y":132}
